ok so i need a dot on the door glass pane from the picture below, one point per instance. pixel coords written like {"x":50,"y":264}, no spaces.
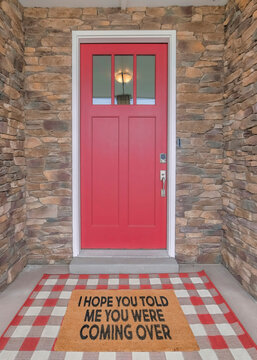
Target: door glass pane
{"x":102,"y":93}
{"x":124,"y":79}
{"x":146,"y":79}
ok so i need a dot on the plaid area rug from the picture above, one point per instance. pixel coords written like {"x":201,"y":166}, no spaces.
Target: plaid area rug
{"x":33,"y":331}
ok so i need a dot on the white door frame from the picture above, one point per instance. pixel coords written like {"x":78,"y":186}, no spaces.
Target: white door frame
{"x":112,"y":36}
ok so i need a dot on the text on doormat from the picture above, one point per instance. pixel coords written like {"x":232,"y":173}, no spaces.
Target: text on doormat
{"x":149,"y":311}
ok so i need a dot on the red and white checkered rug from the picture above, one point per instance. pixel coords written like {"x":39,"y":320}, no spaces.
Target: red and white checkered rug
{"x":33,"y":331}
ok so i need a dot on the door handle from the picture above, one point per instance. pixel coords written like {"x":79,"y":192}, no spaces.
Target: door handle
{"x":163,"y":177}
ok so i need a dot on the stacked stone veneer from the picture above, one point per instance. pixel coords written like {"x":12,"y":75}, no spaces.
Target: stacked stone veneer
{"x":12,"y":136}
{"x":239,"y":248}
{"x":212,"y":189}
{"x":200,"y":36}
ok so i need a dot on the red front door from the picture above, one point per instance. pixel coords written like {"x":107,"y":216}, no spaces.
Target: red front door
{"x":123,"y":134}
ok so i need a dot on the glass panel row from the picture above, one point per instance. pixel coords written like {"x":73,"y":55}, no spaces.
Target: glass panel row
{"x":123,"y":80}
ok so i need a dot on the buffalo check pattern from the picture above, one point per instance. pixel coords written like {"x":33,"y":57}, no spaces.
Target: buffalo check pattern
{"x":33,"y":331}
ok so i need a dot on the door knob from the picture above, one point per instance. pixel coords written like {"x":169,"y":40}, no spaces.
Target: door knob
{"x":163,"y":176}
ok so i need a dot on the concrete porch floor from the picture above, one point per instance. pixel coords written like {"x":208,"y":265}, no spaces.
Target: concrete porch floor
{"x":243,"y":305}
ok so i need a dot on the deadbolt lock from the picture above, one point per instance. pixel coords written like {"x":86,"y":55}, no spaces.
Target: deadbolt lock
{"x":163,"y":158}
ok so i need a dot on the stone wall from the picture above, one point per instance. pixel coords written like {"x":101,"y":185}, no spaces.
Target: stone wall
{"x":12,"y":161}
{"x":239,"y":248}
{"x":200,"y":42}
{"x":200,"y":50}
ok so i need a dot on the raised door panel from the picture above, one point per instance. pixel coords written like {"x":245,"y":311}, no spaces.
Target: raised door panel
{"x":105,"y":171}
{"x":141,"y":171}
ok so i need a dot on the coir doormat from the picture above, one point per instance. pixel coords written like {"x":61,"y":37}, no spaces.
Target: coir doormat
{"x":135,"y":320}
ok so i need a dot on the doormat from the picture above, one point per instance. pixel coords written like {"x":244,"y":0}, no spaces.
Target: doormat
{"x":121,"y":320}
{"x":219,"y":334}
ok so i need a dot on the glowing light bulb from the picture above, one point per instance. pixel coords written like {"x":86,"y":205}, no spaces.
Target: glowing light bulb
{"x":123,"y":77}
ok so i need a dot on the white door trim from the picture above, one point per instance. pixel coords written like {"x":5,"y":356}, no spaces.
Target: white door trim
{"x":112,"y":36}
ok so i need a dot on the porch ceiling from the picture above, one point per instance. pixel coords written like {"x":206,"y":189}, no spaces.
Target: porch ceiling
{"x":119,"y":3}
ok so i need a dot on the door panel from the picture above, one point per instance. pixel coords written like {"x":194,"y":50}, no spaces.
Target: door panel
{"x":105,"y":165}
{"x":122,"y":137}
{"x":141,"y":171}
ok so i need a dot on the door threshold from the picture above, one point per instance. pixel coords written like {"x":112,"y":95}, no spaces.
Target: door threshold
{"x":123,"y":262}
{"x":162,"y":253}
